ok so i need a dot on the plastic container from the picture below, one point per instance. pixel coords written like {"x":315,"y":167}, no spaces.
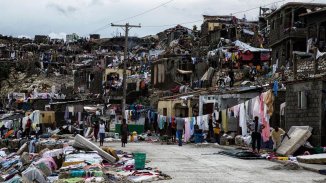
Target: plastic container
{"x":77,"y":173}
{"x":140,"y":159}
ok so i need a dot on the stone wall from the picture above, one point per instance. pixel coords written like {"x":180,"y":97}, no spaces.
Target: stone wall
{"x":312,"y":115}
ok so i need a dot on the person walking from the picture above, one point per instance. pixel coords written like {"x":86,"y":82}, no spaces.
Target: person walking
{"x":210,"y":128}
{"x":102,"y":133}
{"x":180,"y":126}
{"x":173,"y":130}
{"x":256,"y":128}
{"x":28,"y":127}
{"x":124,"y":133}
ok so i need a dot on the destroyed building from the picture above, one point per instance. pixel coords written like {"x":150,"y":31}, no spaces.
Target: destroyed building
{"x":316,"y":28}
{"x":215,"y":29}
{"x":288,"y":31}
{"x":41,"y":39}
{"x":71,"y":38}
{"x":94,"y":36}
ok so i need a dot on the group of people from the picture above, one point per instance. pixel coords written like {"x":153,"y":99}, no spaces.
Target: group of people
{"x":98,"y":126}
{"x":99,"y":131}
{"x":256,"y":128}
{"x":29,"y":131}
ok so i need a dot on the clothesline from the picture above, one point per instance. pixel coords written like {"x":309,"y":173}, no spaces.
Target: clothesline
{"x":261,"y":106}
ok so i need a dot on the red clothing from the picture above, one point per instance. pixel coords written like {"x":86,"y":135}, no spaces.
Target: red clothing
{"x":29,"y":123}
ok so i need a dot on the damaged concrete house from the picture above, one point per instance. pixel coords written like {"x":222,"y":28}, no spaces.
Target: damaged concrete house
{"x":288,"y":30}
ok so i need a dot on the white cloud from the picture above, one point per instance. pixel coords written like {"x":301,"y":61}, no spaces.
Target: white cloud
{"x":21,"y":17}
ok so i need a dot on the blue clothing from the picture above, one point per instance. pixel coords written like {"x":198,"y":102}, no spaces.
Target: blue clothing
{"x":180,"y":132}
{"x":275,"y":87}
{"x":102,"y":136}
{"x":31,"y":147}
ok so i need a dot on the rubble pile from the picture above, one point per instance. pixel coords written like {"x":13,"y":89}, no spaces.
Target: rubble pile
{"x":59,"y":162}
{"x":21,"y":83}
{"x":306,"y":69}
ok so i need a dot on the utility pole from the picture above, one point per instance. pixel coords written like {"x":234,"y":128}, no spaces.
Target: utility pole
{"x":126,"y":28}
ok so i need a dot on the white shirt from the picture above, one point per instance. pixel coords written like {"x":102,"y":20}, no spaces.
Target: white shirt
{"x":102,"y":128}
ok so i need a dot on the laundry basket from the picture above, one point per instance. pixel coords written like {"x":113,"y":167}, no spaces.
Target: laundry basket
{"x":140,"y":159}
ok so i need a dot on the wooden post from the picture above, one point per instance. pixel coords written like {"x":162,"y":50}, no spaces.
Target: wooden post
{"x":315,"y":61}
{"x":295,"y":67}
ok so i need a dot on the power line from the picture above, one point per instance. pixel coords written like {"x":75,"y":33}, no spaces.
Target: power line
{"x":168,"y":25}
{"x":99,"y":29}
{"x":153,"y":26}
{"x":137,"y":15}
{"x":147,"y":11}
{"x":257,"y":7}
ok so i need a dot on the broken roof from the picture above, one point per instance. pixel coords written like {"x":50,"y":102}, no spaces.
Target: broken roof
{"x":246,"y":47}
{"x":321,"y":10}
{"x":297,"y":4}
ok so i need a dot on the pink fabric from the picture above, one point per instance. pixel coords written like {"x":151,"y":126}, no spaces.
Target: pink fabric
{"x":236,"y":110}
{"x":187,"y":130}
{"x":265,"y":131}
{"x":49,"y":162}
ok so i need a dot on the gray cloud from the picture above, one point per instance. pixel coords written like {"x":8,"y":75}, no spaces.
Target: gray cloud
{"x":64,"y":10}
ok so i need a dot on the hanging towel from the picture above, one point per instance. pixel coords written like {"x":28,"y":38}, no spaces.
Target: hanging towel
{"x":216,"y":115}
{"x":155,"y":75}
{"x":199,"y":122}
{"x":224,"y":120}
{"x":205,"y":120}
{"x":236,"y":110}
{"x":187,"y":134}
{"x":243,"y":120}
{"x":266,"y":130}
{"x":192,"y":125}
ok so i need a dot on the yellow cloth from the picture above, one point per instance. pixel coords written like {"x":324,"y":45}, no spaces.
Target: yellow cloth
{"x":217,"y":130}
{"x":268,"y":100}
{"x":224,"y":121}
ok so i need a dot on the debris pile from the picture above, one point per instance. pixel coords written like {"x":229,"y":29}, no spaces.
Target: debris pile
{"x":59,"y":162}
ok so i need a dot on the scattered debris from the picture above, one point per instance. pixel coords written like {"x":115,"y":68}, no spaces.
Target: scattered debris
{"x":286,"y":166}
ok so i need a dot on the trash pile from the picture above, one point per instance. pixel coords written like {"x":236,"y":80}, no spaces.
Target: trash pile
{"x":74,"y":161}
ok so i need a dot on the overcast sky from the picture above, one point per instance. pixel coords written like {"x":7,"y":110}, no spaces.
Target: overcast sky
{"x":59,"y":17}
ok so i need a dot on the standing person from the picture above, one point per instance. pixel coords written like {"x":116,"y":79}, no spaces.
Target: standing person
{"x":102,"y":133}
{"x":28,"y":127}
{"x":37,"y":130}
{"x":124,"y":133}
{"x":256,"y":128}
{"x":180,"y":126}
{"x":96,"y":129}
{"x":173,"y":129}
{"x":210,"y":127}
{"x":231,"y":75}
{"x":276,"y":135}
{"x":81,"y":127}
